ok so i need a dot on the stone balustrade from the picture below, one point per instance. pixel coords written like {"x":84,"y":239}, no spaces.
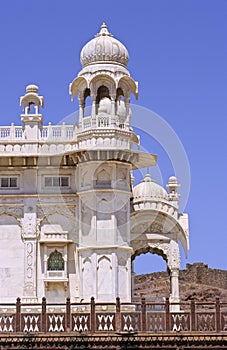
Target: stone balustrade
{"x":50,"y":132}
{"x":103,"y":121}
{"x":62,"y":138}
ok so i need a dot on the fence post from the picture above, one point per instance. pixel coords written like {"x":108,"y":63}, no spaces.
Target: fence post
{"x":218,"y":314}
{"x":68,"y":315}
{"x":118,"y":314}
{"x":92,"y":314}
{"x":192,"y":315}
{"x":18,"y":315}
{"x":44,"y":316}
{"x":143,"y":311}
{"x":167,"y":315}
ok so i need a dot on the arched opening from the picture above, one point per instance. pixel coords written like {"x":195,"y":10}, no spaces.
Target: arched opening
{"x":86,"y":93}
{"x":119,"y":95}
{"x":120,"y":108}
{"x":31,"y":108}
{"x":150,"y":275}
{"x":148,"y":263}
{"x":102,"y":92}
{"x":87,"y":102}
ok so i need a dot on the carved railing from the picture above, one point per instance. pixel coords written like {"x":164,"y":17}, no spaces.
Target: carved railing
{"x":113,"y":317}
{"x":46,"y":133}
{"x":104,"y":121}
{"x":56,"y":133}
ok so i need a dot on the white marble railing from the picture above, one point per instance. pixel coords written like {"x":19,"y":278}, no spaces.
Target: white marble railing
{"x":103,"y":121}
{"x":50,"y":132}
{"x":60,"y":132}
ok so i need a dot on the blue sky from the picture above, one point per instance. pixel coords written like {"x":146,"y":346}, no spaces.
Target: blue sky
{"x":178,"y":54}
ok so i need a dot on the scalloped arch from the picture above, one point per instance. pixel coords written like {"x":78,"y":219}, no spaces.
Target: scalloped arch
{"x":102,"y":79}
{"x":170,"y":224}
{"x":128,"y":83}
{"x":78,"y":84}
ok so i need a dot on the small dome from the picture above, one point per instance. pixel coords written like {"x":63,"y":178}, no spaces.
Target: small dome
{"x":147,"y":189}
{"x":104,"y":48}
{"x":32,"y":88}
{"x":173,"y":180}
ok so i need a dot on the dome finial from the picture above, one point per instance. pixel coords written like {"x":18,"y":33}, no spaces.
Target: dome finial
{"x":104,"y":30}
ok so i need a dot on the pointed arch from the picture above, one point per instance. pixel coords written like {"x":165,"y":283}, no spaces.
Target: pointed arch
{"x":102,"y":176}
{"x":104,"y":258}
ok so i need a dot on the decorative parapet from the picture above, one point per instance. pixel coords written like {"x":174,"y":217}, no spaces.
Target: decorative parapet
{"x":16,"y":134}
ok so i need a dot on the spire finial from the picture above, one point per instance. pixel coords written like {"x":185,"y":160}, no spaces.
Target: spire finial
{"x":104,"y":30}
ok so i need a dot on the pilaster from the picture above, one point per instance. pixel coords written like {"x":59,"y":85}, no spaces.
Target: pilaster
{"x":29,"y":235}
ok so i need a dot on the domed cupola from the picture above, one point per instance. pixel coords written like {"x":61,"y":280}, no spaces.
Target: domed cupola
{"x":106,"y":82}
{"x":146,"y":192}
{"x":104,"y":48}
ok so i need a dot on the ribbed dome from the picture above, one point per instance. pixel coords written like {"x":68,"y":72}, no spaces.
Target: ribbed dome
{"x":147,"y":189}
{"x":104,"y":48}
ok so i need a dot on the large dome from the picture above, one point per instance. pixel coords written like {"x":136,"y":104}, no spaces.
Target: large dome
{"x":104,"y":48}
{"x":148,"y":190}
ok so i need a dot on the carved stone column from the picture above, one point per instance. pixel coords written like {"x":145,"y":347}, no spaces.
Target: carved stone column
{"x":30,"y":243}
{"x":93,"y":110}
{"x":174,"y":266}
{"x":174,"y":274}
{"x":81,"y":111}
{"x":127,"y":105}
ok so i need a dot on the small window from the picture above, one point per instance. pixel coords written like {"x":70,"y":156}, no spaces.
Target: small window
{"x":56,"y":181}
{"x":64,"y":181}
{"x":8,"y":182}
{"x":55,"y":262}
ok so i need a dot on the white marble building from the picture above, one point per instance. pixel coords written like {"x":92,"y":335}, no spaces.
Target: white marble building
{"x":71,"y":221}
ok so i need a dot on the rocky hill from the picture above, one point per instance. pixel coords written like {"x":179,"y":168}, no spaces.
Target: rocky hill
{"x":198,"y":282}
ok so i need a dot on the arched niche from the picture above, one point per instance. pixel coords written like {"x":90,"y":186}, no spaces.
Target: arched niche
{"x":104,"y":278}
{"x":103,"y":176}
{"x":87,"y":278}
